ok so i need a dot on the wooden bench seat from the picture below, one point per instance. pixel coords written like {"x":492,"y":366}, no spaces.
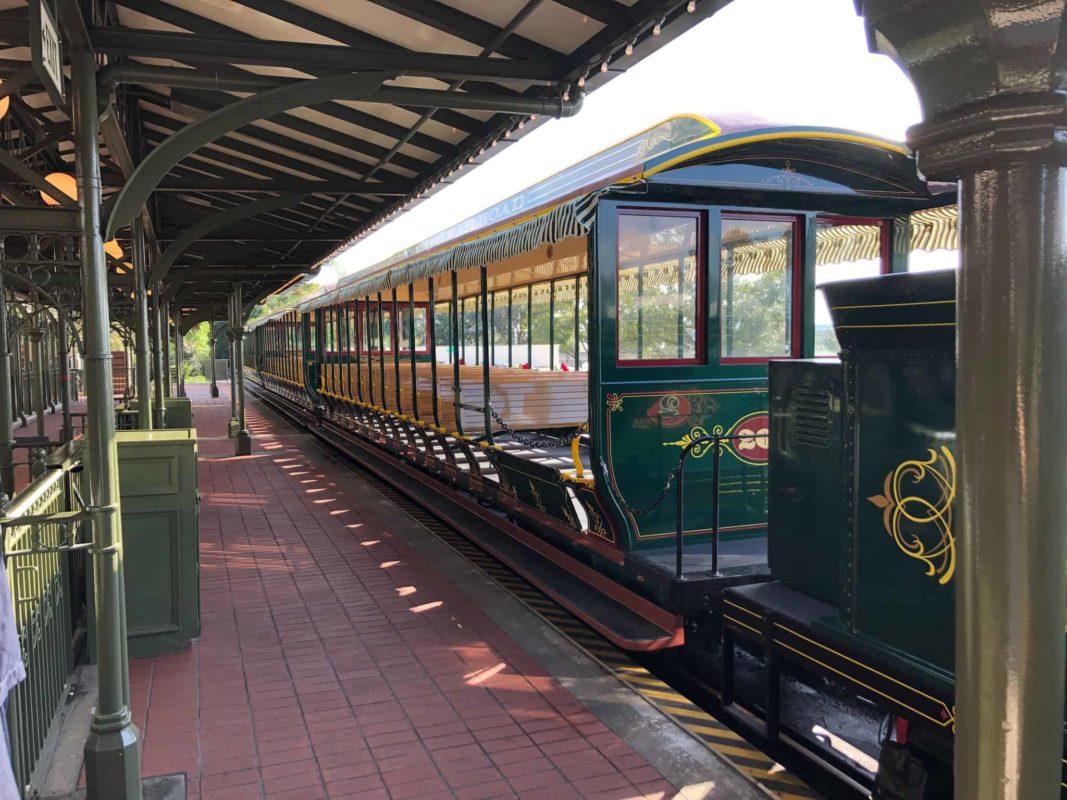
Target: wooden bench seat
{"x":525,"y":399}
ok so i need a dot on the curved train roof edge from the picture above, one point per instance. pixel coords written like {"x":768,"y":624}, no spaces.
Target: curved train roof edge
{"x":656,"y":149}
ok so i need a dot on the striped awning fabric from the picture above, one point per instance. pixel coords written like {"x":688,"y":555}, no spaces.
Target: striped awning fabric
{"x":931,"y":229}
{"x":572,"y":218}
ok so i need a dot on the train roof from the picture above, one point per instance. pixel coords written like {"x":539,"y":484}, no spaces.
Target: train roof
{"x":563,"y":204}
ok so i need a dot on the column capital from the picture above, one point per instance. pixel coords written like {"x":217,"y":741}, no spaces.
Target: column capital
{"x":1007,"y":129}
{"x":989,"y":73}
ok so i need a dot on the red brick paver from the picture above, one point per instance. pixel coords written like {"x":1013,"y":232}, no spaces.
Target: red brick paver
{"x":336,"y":663}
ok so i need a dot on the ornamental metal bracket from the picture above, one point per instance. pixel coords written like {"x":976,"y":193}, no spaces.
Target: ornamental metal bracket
{"x":266,"y":104}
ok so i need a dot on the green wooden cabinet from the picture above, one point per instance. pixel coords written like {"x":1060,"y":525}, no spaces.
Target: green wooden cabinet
{"x":158,"y":484}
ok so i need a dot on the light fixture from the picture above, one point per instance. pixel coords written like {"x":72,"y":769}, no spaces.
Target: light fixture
{"x":629,"y":49}
{"x":5,"y":103}
{"x":692,"y":6}
{"x":113,"y":248}
{"x":581,"y":82}
{"x":604,"y":67}
{"x":657,"y":29}
{"x":64,"y":182}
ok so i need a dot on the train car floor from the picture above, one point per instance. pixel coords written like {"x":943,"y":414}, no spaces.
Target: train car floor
{"x":348,"y":652}
{"x":744,"y":555}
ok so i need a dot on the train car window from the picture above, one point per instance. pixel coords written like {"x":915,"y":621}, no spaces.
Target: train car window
{"x":757,"y":269}
{"x":442,"y":332}
{"x":371,"y":339}
{"x":501,"y":335}
{"x":563,"y":310}
{"x":420,"y":329}
{"x":844,"y":249}
{"x":658,"y":282}
{"x":520,"y":326}
{"x":540,"y":307}
{"x":469,"y":327}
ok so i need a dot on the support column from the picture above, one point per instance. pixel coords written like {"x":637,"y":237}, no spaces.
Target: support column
{"x":234,"y":424}
{"x":159,"y":395}
{"x":243,"y":439}
{"x":7,"y":410}
{"x":179,"y":355}
{"x":1012,"y":438}
{"x":990,"y":79}
{"x":112,"y":752}
{"x":212,"y":335}
{"x":36,"y":336}
{"x":1011,"y":434}
{"x":66,"y":432}
{"x":167,"y":387}
{"x":140,"y":301}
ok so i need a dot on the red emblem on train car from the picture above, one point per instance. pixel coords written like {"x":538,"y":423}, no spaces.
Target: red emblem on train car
{"x":671,"y":409}
{"x":754,"y":445}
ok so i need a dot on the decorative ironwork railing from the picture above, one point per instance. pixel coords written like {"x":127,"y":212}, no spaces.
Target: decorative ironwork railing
{"x":46,"y":564}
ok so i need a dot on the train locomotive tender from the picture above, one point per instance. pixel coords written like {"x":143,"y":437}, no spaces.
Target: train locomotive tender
{"x":543,"y":366}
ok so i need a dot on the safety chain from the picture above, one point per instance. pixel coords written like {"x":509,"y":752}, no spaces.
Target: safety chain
{"x":539,"y":444}
{"x":646,"y":510}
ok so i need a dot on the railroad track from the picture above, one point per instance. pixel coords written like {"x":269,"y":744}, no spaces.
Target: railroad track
{"x":743,"y":754}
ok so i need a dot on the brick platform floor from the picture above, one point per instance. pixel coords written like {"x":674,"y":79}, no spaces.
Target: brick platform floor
{"x":335,"y":663}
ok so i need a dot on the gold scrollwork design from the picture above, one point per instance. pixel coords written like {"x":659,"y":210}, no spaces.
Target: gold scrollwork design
{"x":908,"y":516}
{"x":614,"y":402}
{"x":698,"y":432}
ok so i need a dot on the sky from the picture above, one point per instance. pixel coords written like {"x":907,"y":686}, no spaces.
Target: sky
{"x":794,"y":62}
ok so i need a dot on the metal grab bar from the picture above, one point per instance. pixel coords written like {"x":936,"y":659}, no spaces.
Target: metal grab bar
{"x":715,"y":441}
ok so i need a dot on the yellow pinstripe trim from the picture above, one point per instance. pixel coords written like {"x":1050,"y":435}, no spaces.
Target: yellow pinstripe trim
{"x":899,"y":305}
{"x":743,"y":625}
{"x":939,"y":722}
{"x":870,"y":141}
{"x":901,"y":325}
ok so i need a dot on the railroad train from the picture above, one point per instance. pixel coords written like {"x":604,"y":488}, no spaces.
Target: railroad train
{"x":551,"y":374}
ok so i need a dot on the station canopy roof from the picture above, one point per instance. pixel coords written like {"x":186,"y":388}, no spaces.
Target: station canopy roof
{"x":451,"y":82}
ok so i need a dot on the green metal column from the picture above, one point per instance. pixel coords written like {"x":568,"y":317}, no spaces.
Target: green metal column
{"x":179,"y":354}
{"x":212,"y":336}
{"x":1013,"y":480}
{"x":36,"y":335}
{"x":243,"y":438}
{"x":7,"y":410}
{"x":140,"y":301}
{"x":160,"y":394}
{"x":66,"y":433}
{"x":167,"y":388}
{"x":112,"y":751}
{"x":230,"y":326}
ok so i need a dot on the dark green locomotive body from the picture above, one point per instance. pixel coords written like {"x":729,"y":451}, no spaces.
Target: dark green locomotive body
{"x":862,"y":539}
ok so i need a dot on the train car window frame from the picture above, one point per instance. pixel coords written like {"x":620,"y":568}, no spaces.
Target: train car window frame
{"x":795,"y":282}
{"x":885,"y":265}
{"x":700,"y":308}
{"x":391,"y":330}
{"x":401,"y":330}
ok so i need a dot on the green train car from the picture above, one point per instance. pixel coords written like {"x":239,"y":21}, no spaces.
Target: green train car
{"x":862,"y":542}
{"x":545,"y":364}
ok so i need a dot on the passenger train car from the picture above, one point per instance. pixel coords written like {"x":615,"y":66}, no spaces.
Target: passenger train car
{"x":546,"y":363}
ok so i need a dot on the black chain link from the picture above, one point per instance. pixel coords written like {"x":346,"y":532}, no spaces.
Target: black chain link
{"x":539,"y":444}
{"x":646,"y":510}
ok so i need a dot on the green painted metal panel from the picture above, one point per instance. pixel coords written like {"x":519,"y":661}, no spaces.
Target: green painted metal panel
{"x":158,"y":484}
{"x":806,"y":508}
{"x":898,"y":338}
